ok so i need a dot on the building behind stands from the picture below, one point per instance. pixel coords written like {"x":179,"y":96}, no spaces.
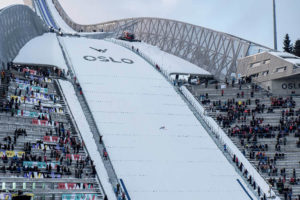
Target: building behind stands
{"x":277,"y":72}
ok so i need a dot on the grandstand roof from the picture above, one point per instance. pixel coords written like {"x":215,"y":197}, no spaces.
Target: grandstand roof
{"x":46,"y":51}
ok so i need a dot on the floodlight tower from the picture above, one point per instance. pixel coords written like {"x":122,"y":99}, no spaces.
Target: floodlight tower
{"x":274,"y":25}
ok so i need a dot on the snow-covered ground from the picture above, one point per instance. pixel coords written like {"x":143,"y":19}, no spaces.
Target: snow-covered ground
{"x":5,"y":3}
{"x":288,"y":57}
{"x":44,"y":49}
{"x":87,"y":135}
{"x":168,"y":62}
{"x":156,"y":144}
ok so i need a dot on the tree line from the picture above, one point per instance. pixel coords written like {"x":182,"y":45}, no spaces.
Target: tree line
{"x":289,"y":47}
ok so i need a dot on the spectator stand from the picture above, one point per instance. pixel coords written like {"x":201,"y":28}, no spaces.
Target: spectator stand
{"x":262,"y":126}
{"x":41,"y":153}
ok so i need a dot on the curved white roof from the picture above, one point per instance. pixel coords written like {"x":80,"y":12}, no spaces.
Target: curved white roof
{"x":46,"y":51}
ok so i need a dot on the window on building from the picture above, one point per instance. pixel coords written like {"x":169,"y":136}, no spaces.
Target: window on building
{"x":255,"y":64}
{"x":265,"y":73}
{"x":254,"y":75}
{"x":280,"y":69}
{"x":266,"y":62}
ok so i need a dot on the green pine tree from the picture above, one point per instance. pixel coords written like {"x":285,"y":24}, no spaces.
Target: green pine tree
{"x":287,"y":46}
{"x":297,"y":48}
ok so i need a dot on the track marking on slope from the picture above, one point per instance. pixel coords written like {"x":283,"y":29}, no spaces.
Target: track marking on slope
{"x":238,"y":180}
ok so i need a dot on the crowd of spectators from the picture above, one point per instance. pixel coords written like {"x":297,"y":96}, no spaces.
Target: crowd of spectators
{"x":246,"y":115}
{"x":40,"y":158}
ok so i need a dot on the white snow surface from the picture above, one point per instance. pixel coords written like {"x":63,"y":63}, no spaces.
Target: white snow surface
{"x":283,"y":54}
{"x":287,"y":57}
{"x":5,"y":3}
{"x":46,"y":50}
{"x":87,"y":135}
{"x":295,"y":61}
{"x":156,"y":144}
{"x":168,"y":62}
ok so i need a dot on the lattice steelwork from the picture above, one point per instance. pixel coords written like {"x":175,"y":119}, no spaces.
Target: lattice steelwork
{"x":18,"y":25}
{"x":214,"y":51}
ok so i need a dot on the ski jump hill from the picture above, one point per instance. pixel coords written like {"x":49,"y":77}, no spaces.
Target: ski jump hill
{"x":149,"y":138}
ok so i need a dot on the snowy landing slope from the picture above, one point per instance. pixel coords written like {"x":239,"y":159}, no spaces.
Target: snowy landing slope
{"x":156,"y":144}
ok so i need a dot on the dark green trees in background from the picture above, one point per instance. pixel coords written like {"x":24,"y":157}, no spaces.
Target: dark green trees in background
{"x":289,"y":48}
{"x":297,"y":48}
{"x":287,"y":45}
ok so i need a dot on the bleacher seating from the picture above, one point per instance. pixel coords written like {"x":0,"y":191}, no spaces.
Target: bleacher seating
{"x":265,"y":128}
{"x":40,"y":152}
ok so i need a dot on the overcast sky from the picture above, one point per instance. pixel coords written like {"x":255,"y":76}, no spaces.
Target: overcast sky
{"x":4,"y":3}
{"x":249,"y":19}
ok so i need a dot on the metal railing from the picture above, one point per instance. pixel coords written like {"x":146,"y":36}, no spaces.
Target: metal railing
{"x":75,"y":126}
{"x":73,"y":75}
{"x":143,"y":55}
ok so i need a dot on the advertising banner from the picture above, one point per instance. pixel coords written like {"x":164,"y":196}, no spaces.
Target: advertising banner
{"x":50,"y":139}
{"x":79,"y":196}
{"x":11,"y":154}
{"x":73,"y":156}
{"x":74,"y":186}
{"x":40,"y":165}
{"x":5,"y":196}
{"x":43,"y":122}
{"x":26,"y":113}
